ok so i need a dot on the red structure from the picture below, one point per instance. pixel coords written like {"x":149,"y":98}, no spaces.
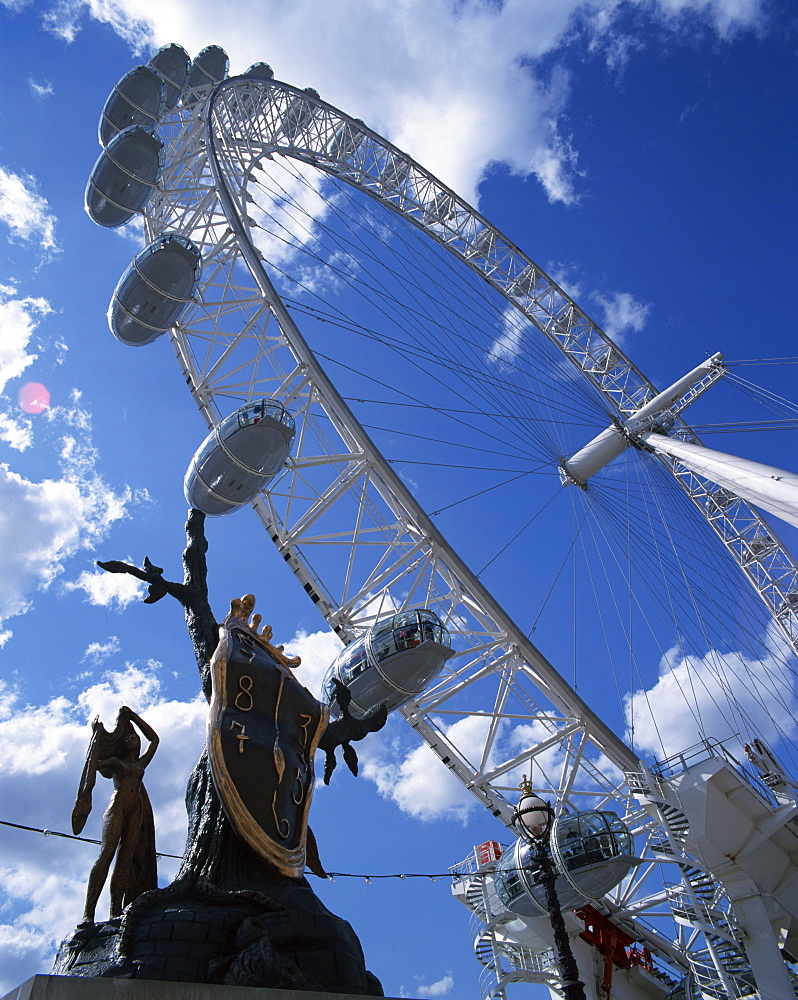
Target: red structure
{"x":617,"y":947}
{"x":489,"y":851}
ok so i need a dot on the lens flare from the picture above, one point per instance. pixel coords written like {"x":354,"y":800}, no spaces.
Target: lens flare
{"x":34,"y":397}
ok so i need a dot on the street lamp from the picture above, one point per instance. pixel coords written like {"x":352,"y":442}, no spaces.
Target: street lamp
{"x":533,"y":819}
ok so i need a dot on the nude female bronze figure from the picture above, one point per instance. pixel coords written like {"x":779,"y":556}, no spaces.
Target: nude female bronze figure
{"x":127,"y":828}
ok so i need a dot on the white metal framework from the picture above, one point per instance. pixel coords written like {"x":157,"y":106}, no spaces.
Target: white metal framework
{"x":352,"y":532}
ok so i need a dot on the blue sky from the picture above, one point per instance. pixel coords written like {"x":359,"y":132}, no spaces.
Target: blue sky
{"x":643,"y":153}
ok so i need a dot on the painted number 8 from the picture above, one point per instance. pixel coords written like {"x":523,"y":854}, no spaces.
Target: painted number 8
{"x":244,"y":700}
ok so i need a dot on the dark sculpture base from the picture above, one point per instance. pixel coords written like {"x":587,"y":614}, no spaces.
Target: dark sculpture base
{"x":287,"y":940}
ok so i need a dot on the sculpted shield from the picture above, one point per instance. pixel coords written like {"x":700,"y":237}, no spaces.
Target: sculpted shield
{"x":263,"y":730}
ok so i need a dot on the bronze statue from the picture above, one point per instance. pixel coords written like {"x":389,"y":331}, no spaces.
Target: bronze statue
{"x":128,"y":830}
{"x":241,"y":886}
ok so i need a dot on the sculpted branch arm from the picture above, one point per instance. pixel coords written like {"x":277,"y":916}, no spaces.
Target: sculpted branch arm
{"x":192,"y":593}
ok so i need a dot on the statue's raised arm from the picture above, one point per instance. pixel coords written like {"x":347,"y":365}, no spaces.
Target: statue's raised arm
{"x":192,"y":593}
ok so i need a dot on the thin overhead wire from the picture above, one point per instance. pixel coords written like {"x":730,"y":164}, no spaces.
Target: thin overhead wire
{"x":761,"y":361}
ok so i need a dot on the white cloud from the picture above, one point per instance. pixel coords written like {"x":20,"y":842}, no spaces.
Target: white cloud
{"x":562,"y":275}
{"x":688,"y":111}
{"x":108,"y":589}
{"x":441,"y":988}
{"x":726,"y":17}
{"x":53,"y":511}
{"x":25,"y":211}
{"x":409,"y":481}
{"x":299,"y":185}
{"x":716,"y":696}
{"x":618,"y":50}
{"x":40,"y":89}
{"x":133,"y":232}
{"x":28,"y":943}
{"x":509,"y":345}
{"x":98,"y":652}
{"x":622,"y":312}
{"x":61,"y":348}
{"x":18,"y":434}
{"x":416,"y":780}
{"x":56,"y":517}
{"x":317,"y":650}
{"x":682,"y":18}
{"x":63,"y":20}
{"x":19,"y":317}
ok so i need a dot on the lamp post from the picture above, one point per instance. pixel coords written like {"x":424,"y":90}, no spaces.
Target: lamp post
{"x":533,"y":819}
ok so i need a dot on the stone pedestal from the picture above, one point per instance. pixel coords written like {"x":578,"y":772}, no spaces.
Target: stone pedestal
{"x":76,"y":988}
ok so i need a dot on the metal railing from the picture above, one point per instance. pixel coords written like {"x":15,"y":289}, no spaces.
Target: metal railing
{"x":677,"y":764}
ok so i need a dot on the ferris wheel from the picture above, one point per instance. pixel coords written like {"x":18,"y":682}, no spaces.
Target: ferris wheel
{"x":283,"y":212}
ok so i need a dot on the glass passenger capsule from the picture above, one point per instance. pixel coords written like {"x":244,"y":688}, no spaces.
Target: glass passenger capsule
{"x":259,"y":71}
{"x":238,"y":458}
{"x":298,"y":114}
{"x":124,"y":176}
{"x":347,"y":140}
{"x":139,"y":98}
{"x":207,"y":69}
{"x":592,"y":853}
{"x":394,"y":661}
{"x":154,"y":290}
{"x":394,"y":172}
{"x":172,"y":62}
{"x":249,"y":97}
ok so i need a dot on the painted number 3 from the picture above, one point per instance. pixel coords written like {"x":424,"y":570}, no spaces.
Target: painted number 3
{"x":244,"y":700}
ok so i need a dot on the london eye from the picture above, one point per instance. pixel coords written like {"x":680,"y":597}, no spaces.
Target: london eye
{"x":429,"y":366}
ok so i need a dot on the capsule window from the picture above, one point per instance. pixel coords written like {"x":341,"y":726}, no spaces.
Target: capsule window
{"x":251,"y":415}
{"x":591,"y":838}
{"x":621,"y":835}
{"x":354,"y":665}
{"x":571,"y":843}
{"x":264,"y":408}
{"x":353,"y":656}
{"x":407,"y":637}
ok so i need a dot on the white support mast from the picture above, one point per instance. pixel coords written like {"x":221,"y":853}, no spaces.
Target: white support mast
{"x":775,"y":490}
